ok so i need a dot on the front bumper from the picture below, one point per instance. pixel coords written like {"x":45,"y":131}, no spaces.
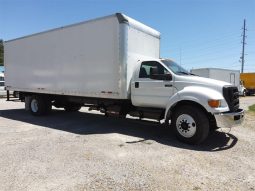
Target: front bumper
{"x":228,"y":120}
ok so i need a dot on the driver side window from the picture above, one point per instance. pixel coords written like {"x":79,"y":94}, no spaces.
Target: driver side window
{"x":151,"y":67}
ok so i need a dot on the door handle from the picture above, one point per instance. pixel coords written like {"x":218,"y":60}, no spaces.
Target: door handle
{"x":168,"y":85}
{"x":136,"y":84}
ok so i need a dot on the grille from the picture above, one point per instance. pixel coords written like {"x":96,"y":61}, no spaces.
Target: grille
{"x":231,"y":95}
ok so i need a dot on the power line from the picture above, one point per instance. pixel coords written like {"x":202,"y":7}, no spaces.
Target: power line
{"x":199,"y":60}
{"x":207,"y":47}
{"x":194,"y":41}
{"x":203,"y":44}
{"x":209,"y":52}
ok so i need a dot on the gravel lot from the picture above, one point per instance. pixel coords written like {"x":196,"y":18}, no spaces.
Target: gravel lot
{"x":84,"y":151}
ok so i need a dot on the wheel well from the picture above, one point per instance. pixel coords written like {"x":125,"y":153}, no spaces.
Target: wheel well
{"x":187,"y":102}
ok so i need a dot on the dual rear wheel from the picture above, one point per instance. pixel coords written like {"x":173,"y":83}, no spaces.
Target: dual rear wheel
{"x":41,"y":105}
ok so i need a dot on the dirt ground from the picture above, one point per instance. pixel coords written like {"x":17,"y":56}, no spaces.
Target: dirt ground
{"x":85,"y":151}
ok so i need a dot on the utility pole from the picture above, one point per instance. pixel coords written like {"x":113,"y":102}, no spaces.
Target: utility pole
{"x":243,"y":43}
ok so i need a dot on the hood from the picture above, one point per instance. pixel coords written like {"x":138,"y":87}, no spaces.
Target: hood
{"x":184,"y":81}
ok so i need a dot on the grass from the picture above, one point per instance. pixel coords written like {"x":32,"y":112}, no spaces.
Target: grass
{"x":252,"y":108}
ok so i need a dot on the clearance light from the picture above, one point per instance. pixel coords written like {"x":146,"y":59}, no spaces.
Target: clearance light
{"x":214,"y":103}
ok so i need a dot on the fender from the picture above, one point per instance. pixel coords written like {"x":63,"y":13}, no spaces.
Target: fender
{"x":200,"y":95}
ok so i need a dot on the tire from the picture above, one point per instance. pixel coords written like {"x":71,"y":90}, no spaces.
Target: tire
{"x":190,"y":124}
{"x":244,"y":93}
{"x":39,"y":105}
{"x":16,"y":94}
{"x":212,"y":123}
{"x":72,"y":108}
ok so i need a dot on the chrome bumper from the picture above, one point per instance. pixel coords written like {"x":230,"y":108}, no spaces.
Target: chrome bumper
{"x":228,"y":120}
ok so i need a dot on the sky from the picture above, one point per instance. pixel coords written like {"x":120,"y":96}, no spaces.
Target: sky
{"x":194,"y":33}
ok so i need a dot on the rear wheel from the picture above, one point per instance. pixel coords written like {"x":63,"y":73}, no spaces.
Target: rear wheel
{"x":39,"y":105}
{"x":191,"y":124}
{"x":16,"y":94}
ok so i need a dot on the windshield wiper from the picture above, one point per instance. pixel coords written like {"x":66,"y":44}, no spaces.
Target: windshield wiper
{"x":181,"y":72}
{"x":186,"y":73}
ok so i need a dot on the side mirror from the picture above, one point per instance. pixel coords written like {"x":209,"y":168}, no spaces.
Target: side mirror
{"x":154,"y":74}
{"x":168,"y":77}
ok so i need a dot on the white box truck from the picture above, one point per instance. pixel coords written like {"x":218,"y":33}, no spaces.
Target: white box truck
{"x":112,"y":64}
{"x":226,"y":75}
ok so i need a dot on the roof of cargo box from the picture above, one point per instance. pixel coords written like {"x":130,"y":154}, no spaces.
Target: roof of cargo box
{"x":137,"y":25}
{"x":121,"y":18}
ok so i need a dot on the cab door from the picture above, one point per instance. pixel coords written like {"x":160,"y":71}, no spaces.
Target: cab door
{"x":153,"y":85}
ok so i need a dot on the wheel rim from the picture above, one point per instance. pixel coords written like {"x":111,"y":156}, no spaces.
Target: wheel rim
{"x":186,"y":125}
{"x":34,"y":105}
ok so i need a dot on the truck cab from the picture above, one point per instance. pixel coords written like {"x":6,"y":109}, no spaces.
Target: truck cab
{"x":191,"y":104}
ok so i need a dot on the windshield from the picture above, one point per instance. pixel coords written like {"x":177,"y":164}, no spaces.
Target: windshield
{"x":175,"y":68}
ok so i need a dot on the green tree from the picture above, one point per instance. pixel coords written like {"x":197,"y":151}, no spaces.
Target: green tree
{"x":1,"y":52}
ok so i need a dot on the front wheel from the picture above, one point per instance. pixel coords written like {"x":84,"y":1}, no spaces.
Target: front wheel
{"x":191,"y":124}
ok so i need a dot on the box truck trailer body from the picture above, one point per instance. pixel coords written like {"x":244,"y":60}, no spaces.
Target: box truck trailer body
{"x":248,"y":80}
{"x":230,"y":76}
{"x":112,"y":64}
{"x":92,"y":59}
